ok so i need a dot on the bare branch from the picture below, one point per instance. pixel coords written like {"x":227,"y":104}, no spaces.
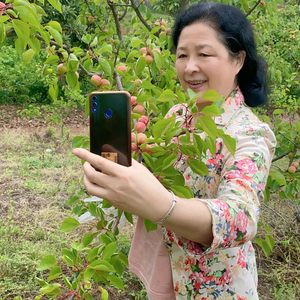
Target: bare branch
{"x":281,"y":156}
{"x":118,"y":27}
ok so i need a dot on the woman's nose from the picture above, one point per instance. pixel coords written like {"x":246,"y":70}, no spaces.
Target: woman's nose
{"x":192,"y":66}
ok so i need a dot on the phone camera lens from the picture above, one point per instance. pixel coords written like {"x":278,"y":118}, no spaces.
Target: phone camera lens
{"x":94,"y":104}
{"x":108,"y":113}
{"x":94,"y":98}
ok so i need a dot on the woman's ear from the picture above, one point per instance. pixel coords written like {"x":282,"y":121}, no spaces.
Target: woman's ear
{"x":239,"y":60}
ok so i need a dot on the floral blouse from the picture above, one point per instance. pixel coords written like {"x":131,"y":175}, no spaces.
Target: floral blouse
{"x":233,"y":192}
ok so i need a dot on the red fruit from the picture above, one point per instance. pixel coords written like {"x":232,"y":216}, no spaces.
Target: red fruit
{"x":2,"y":5}
{"x":122,"y":69}
{"x":143,"y":51}
{"x":163,"y":28}
{"x":134,"y":147}
{"x":163,"y":22}
{"x":141,"y":138}
{"x":295,"y":164}
{"x":77,"y":74}
{"x":138,"y":81}
{"x":105,"y":82}
{"x":96,"y":80}
{"x":133,"y":137}
{"x":61,"y":69}
{"x":155,"y":49}
{"x":139,"y":127}
{"x":156,"y":24}
{"x":133,"y":100}
{"x":91,"y":19}
{"x":292,"y":169}
{"x":149,"y":59}
{"x":139,"y":109}
{"x":144,"y":119}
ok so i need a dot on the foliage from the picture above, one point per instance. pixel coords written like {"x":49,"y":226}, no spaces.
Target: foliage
{"x":150,"y":76}
{"x":280,"y":45}
{"x":21,"y":84}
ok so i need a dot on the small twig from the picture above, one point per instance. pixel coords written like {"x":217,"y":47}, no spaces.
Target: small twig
{"x":289,"y":139}
{"x":274,"y":211}
{"x":281,"y":156}
{"x":252,"y":9}
{"x":136,"y":9}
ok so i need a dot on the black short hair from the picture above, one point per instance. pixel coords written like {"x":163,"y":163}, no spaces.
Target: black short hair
{"x":235,"y":32}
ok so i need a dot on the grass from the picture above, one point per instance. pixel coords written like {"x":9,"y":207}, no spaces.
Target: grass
{"x":35,"y":184}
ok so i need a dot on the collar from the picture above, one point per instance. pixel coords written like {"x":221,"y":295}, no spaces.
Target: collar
{"x":230,"y":106}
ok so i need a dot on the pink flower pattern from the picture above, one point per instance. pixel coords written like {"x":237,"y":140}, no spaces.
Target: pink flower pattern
{"x":232,"y":191}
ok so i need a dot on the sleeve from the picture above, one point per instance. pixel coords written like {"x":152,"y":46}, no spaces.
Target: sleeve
{"x":236,"y":209}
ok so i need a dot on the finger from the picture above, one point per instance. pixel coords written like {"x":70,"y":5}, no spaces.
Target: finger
{"x":99,"y":162}
{"x":93,"y":175}
{"x":94,"y":189}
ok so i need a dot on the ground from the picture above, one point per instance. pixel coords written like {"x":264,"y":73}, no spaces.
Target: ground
{"x":34,"y":187}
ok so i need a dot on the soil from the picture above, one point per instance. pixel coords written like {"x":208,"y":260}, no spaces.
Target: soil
{"x":77,"y":124}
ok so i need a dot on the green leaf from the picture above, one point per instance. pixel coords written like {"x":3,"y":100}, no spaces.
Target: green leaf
{"x":148,"y":160}
{"x":167,"y":96}
{"x":69,"y":224}
{"x":52,"y":59}
{"x":275,"y":174}
{"x":35,"y":44}
{"x":105,"y":66}
{"x":135,"y":42}
{"x":211,"y":110}
{"x":169,"y":161}
{"x":109,"y":250}
{"x":157,"y":59}
{"x":182,"y":191}
{"x":104,"y":293}
{"x":51,"y":289}
{"x":103,"y":265}
{"x":72,"y":79}
{"x":211,"y":95}
{"x":94,"y":252}
{"x":55,"y":25}
{"x":56,"y":35}
{"x":28,"y":56}
{"x":116,"y":281}
{"x":208,"y":125}
{"x":40,"y":281}
{"x":197,"y":166}
{"x":88,"y":238}
{"x":278,"y":111}
{"x":140,"y":66}
{"x":67,"y":282}
{"x":265,"y":247}
{"x":54,"y":273}
{"x":162,"y":126}
{"x":18,"y":298}
{"x":230,"y":143}
{"x":128,"y":217}
{"x":47,"y":262}
{"x":199,"y":145}
{"x":88,"y":274}
{"x":56,"y":4}
{"x":149,"y":225}
{"x":22,"y":31}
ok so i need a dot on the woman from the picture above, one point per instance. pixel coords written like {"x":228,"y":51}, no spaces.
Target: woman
{"x":203,"y":249}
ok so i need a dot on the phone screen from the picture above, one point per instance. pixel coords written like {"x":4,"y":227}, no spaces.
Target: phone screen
{"x":110,"y":126}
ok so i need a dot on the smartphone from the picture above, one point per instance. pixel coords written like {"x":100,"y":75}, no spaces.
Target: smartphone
{"x":110,"y":126}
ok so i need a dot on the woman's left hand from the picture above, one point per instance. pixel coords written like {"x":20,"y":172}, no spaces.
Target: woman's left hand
{"x":132,"y":189}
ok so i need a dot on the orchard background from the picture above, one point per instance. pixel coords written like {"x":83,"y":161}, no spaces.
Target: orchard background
{"x":53,"y":54}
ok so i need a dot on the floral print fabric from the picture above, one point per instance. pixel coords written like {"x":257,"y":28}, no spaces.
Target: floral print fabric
{"x":233,"y":191}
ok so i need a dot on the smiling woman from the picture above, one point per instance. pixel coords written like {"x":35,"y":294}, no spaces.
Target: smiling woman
{"x":202,"y":247}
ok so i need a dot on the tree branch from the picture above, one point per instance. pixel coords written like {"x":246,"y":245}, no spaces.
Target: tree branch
{"x":252,"y":9}
{"x":141,"y":18}
{"x":118,"y":27}
{"x":280,"y":156}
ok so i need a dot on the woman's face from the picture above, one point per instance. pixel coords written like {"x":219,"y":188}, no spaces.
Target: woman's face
{"x":203,"y":62}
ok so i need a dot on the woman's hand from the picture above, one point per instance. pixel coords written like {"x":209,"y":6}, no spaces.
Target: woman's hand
{"x":132,"y":189}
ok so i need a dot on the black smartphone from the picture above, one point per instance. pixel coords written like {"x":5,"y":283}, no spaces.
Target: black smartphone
{"x":110,"y":126}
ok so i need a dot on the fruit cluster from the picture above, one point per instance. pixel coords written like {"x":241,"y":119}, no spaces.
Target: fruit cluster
{"x":293,"y":167}
{"x":96,"y":80}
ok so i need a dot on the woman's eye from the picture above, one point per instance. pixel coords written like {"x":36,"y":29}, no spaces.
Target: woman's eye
{"x":181,"y":56}
{"x":204,"y":55}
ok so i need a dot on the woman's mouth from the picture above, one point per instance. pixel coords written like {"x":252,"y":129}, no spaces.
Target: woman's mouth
{"x":194,"y":85}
